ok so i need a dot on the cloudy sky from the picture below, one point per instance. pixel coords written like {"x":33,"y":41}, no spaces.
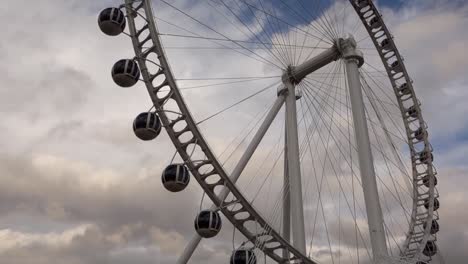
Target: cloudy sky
{"x":76,"y":185}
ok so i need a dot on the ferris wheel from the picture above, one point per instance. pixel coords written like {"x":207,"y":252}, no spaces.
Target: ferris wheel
{"x":314,"y":148}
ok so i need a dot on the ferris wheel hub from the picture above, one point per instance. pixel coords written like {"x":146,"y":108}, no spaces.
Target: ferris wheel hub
{"x":349,"y":51}
{"x":345,"y":48}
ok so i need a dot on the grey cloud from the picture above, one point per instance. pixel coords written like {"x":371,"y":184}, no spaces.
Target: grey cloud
{"x":92,"y":171}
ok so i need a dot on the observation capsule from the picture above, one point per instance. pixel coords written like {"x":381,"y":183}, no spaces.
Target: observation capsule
{"x":363,"y":3}
{"x":426,"y":181}
{"x":375,"y":22}
{"x":243,"y":256}
{"x":147,"y":126}
{"x":436,"y":204}
{"x":396,"y":66}
{"x":126,"y":73}
{"x":208,"y":223}
{"x":175,"y":177}
{"x":426,"y":157}
{"x":404,"y":89}
{"x":419,"y":134}
{"x":434,"y":227}
{"x":412,"y":111}
{"x":385,"y":44}
{"x":112,"y":21}
{"x":430,"y":249}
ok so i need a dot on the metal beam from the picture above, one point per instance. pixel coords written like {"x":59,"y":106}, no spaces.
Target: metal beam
{"x":298,"y":73}
{"x":294,"y":170}
{"x":286,"y":197}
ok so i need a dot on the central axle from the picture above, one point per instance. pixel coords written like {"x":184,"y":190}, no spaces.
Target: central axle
{"x":342,"y":48}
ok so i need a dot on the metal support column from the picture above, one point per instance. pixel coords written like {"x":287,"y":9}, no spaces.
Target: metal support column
{"x":193,"y":244}
{"x":294,"y":170}
{"x":286,"y":196}
{"x":354,"y":59}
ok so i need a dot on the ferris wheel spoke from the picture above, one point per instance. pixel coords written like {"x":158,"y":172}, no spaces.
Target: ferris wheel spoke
{"x":322,"y":176}
{"x":236,"y":173}
{"x":223,"y":84}
{"x":340,"y":23}
{"x":288,"y":35}
{"x":219,"y":33}
{"x":309,"y":20}
{"x":373,"y":145}
{"x":329,"y":22}
{"x":344,"y":157}
{"x":319,"y":201}
{"x":280,"y":60}
{"x":317,"y":19}
{"x":319,"y":192}
{"x":368,"y":79}
{"x":371,"y":97}
{"x":272,"y":26}
{"x":353,"y":213}
{"x":217,"y":41}
{"x":342,"y":92}
{"x":283,"y":21}
{"x":194,"y":35}
{"x":236,"y":104}
{"x":310,"y":26}
{"x":314,"y":88}
{"x":384,"y":128}
{"x":243,"y":135}
{"x":274,"y":47}
{"x":397,"y":194}
{"x":335,"y":171}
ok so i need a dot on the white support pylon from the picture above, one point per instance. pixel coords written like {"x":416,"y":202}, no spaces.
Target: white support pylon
{"x":353,"y":60}
{"x":294,"y":170}
{"x":286,"y":197}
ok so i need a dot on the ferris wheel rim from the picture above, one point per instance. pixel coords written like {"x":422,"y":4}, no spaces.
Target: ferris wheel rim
{"x":366,"y":11}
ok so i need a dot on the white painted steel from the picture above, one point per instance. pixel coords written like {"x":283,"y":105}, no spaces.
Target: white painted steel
{"x":244,"y":160}
{"x":300,"y":72}
{"x":254,"y":144}
{"x":366,"y":163}
{"x":294,"y":171}
{"x":189,"y":249}
{"x":286,"y":197}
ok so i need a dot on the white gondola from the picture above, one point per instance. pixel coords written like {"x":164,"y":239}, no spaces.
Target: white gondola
{"x":147,"y":126}
{"x":208,"y":223}
{"x":112,"y":21}
{"x":126,"y":73}
{"x":175,"y":177}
